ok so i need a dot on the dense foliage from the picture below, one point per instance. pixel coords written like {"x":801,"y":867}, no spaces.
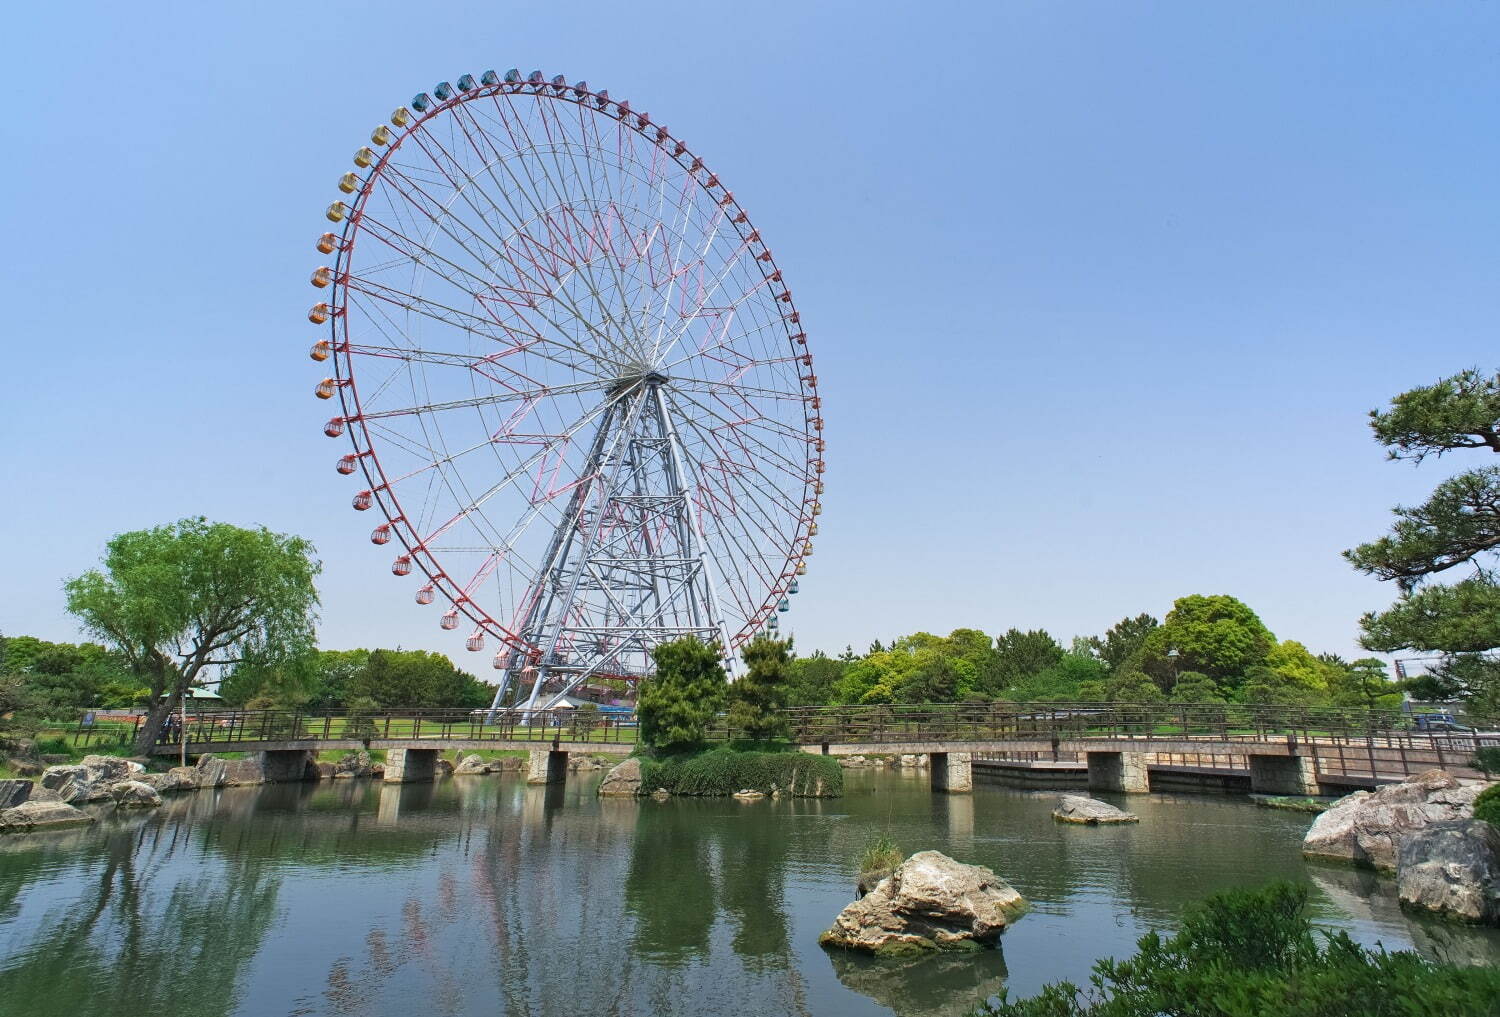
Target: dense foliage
{"x":1487,"y":805}
{"x":1457,"y":527}
{"x":177,"y":600}
{"x":1255,"y":953}
{"x":757,"y":698}
{"x":676,"y":705}
{"x":723,"y":771}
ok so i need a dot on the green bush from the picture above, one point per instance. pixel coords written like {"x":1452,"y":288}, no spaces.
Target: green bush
{"x":1254,"y":953}
{"x":723,"y":771}
{"x":880,"y":855}
{"x":1487,"y":805}
{"x":57,"y":745}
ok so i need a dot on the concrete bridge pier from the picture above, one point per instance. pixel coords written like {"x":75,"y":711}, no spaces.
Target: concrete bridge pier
{"x":547,"y":766}
{"x":1123,"y":772}
{"x":952,"y":772}
{"x":410,"y":766}
{"x":283,"y":766}
{"x":1283,"y":775}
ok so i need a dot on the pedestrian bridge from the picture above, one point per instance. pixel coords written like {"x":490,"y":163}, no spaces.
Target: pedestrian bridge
{"x":1282,"y":750}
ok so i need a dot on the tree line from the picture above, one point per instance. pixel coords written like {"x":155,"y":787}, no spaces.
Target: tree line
{"x":1208,"y":649}
{"x":175,"y":606}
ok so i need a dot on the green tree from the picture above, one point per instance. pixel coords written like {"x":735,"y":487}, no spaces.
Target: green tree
{"x":1218,"y":636}
{"x":1471,"y":678}
{"x":1020,"y":655}
{"x":1457,"y":527}
{"x":676,"y":704}
{"x":814,"y":680}
{"x":1066,"y":679}
{"x":415,"y":679}
{"x":1123,"y":640}
{"x":179,"y":599}
{"x":1363,"y":683}
{"x":757,"y":698}
{"x":1195,"y":687}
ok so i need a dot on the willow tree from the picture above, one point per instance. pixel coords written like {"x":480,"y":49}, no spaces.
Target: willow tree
{"x":178,"y":600}
{"x":1454,"y":534}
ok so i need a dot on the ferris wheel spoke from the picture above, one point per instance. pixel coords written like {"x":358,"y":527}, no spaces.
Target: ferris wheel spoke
{"x":543,"y":212}
{"x":744,"y":430}
{"x":754,"y":496}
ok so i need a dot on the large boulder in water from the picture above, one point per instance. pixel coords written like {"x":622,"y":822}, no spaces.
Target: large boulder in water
{"x":35,"y":815}
{"x":353,"y":764}
{"x":178,"y":778}
{"x":930,"y":902}
{"x":91,"y":780}
{"x":472,"y":765}
{"x":135,"y":794}
{"x":624,"y":780}
{"x":1452,"y":868}
{"x":1078,"y":809}
{"x":1366,"y":828}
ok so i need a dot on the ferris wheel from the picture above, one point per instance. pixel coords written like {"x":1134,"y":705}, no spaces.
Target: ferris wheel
{"x":573,"y":379}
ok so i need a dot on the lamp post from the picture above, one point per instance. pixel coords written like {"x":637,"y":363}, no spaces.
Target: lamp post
{"x":1172,"y":655}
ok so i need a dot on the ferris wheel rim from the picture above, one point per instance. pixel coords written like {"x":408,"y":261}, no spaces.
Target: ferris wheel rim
{"x":366,"y":445}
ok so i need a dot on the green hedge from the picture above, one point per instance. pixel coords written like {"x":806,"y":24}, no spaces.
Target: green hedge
{"x":724,"y":771}
{"x":1487,"y":805}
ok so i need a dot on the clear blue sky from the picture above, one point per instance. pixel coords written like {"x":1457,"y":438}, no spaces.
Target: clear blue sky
{"x":1100,"y":292}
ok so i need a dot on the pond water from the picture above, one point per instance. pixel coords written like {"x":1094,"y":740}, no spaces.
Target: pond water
{"x":482,"y":896}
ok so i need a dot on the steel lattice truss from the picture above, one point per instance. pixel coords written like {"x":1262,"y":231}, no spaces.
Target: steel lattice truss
{"x":573,"y":379}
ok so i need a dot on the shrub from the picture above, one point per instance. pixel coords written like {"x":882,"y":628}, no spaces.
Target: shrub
{"x":1254,"y":953}
{"x":57,"y":745}
{"x":723,"y":772}
{"x":1487,"y":805}
{"x":881,"y":855}
{"x":676,"y":704}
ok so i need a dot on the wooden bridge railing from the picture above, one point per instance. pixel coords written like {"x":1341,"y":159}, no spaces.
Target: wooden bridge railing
{"x":1042,"y":723}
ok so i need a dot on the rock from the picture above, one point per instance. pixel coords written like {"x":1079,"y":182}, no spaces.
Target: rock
{"x":854,"y":762}
{"x":353,"y":764}
{"x":26,"y":767}
{"x":179,"y":778}
{"x":112,"y":769}
{"x":244,"y":772}
{"x":1365,"y":828}
{"x":442,"y":768}
{"x":1078,"y":809}
{"x":14,"y":792}
{"x":749,"y":795}
{"x":661,"y":794}
{"x":471,"y":766}
{"x":135,"y":794}
{"x":80,"y":783}
{"x":44,"y":794}
{"x":212,"y":771}
{"x":35,"y":815}
{"x":1452,"y":868}
{"x":623,"y":780}
{"x":55,"y":777}
{"x":870,"y":879}
{"x":930,"y":902}
{"x":325,"y":770}
{"x":508,"y":764}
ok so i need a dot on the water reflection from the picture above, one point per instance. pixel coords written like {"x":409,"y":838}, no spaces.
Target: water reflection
{"x":480,"y":896}
{"x":148,"y":923}
{"x":941,"y":985}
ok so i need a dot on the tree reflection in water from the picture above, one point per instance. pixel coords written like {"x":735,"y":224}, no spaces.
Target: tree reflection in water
{"x":163,"y":919}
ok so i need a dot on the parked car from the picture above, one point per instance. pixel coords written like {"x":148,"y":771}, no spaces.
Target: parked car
{"x":1437,"y":722}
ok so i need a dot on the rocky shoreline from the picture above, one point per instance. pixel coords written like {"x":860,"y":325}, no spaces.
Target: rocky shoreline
{"x":52,"y":800}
